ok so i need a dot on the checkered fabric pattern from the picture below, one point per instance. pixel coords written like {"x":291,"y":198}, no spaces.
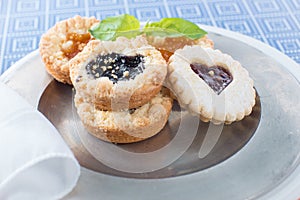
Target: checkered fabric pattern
{"x":275,"y":22}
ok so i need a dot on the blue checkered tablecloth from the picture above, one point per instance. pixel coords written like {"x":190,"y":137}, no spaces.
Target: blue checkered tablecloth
{"x":275,"y":22}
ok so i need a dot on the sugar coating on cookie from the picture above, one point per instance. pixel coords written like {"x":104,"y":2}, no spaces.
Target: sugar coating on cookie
{"x":62,"y":42}
{"x":120,"y":74}
{"x":126,"y":126}
{"x":211,"y":84}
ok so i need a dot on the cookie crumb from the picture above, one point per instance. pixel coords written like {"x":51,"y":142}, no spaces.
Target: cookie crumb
{"x":103,"y":68}
{"x":126,"y":73}
{"x":94,"y":67}
{"x":211,"y":73}
{"x":114,"y":76}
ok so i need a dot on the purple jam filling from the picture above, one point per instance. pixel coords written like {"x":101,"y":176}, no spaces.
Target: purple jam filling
{"x":217,"y":77}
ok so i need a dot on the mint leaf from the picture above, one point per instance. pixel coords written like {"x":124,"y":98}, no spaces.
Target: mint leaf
{"x":174,"y":27}
{"x":112,"y":27}
{"x":128,"y":26}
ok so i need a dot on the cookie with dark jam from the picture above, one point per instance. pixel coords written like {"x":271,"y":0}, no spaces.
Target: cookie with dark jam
{"x":118,"y":75}
{"x":211,"y":84}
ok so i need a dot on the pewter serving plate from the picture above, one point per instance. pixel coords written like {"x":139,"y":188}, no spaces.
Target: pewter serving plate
{"x":255,"y":158}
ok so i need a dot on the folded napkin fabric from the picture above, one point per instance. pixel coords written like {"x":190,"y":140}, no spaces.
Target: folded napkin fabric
{"x":35,"y":162}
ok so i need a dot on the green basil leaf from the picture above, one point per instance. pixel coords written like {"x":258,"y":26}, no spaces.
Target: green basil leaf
{"x":174,"y":27}
{"x":112,"y":27}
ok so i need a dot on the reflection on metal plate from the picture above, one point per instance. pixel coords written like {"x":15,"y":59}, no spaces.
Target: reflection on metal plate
{"x":56,"y":104}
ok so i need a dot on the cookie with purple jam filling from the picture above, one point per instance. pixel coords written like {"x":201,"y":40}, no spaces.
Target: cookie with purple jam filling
{"x":211,"y":84}
{"x":62,"y":42}
{"x":116,"y":75}
{"x":126,"y":126}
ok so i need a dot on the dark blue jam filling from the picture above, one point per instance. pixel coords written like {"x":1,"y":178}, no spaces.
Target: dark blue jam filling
{"x":117,"y":67}
{"x":217,"y":77}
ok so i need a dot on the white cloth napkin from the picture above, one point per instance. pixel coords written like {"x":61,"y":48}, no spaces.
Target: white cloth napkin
{"x":35,"y":163}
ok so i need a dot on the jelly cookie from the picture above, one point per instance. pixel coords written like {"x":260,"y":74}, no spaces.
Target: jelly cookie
{"x":120,"y":74}
{"x":125,"y":126}
{"x":168,"y":45}
{"x":62,"y":42}
{"x":211,"y":84}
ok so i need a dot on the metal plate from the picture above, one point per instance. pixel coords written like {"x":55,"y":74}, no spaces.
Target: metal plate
{"x":56,"y":104}
{"x":256,"y":171}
